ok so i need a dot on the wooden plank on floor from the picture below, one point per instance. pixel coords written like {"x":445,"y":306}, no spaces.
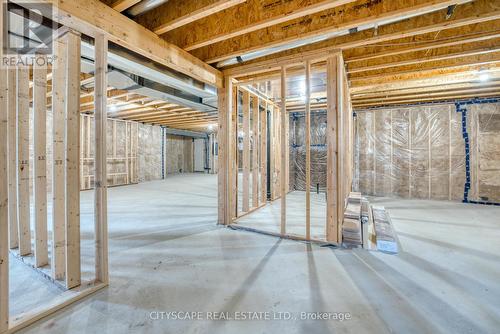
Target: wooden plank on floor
{"x":40,"y":162}
{"x":246,"y":152}
{"x":23,"y":177}
{"x":100,"y":118}
{"x":12,"y":156}
{"x":73,"y":266}
{"x":255,"y":151}
{"x":58,"y":260}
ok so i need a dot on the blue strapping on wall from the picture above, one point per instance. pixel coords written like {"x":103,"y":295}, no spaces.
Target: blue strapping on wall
{"x":461,"y":108}
{"x":315,"y":145}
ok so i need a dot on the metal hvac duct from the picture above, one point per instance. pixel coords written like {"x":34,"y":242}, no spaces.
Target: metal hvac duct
{"x":144,"y":6}
{"x":132,"y":73}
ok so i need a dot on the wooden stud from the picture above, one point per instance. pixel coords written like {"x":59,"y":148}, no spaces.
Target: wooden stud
{"x":308,"y":149}
{"x":82,"y":151}
{"x":246,"y":152}
{"x":23,"y":177}
{"x":72,"y":135}
{"x":272,"y":147}
{"x":12,"y":156}
{"x":410,"y":150}
{"x":113,"y":144}
{"x":58,"y":260}
{"x":450,"y":170}
{"x":284,"y":148}
{"x":332,"y":178}
{"x":287,"y":152}
{"x":255,"y":152}
{"x":127,"y":157}
{"x":263,"y":154}
{"x":233,"y":153}
{"x":100,"y":184}
{"x":224,"y":175}
{"x":40,"y":162}
{"x":4,"y":196}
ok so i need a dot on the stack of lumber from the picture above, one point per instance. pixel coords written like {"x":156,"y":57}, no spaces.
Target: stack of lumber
{"x":351,"y":227}
{"x":386,"y":238}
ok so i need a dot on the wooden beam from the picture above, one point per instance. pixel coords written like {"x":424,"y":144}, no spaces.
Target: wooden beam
{"x":463,"y":50}
{"x":441,"y":75}
{"x":100,"y":172}
{"x":40,"y":163}
{"x":246,"y":152}
{"x":284,"y":147}
{"x":466,"y":14}
{"x":332,"y":180}
{"x":58,"y":261}
{"x":23,"y":177}
{"x":450,"y":97}
{"x":81,"y":16}
{"x":433,"y":78}
{"x":72,"y":135}
{"x":4,"y":194}
{"x":441,"y":93}
{"x":339,"y":19}
{"x":245,"y":18}
{"x":481,"y":59}
{"x":478,"y":32}
{"x":177,"y":13}
{"x":255,"y":151}
{"x":308,"y":149}
{"x":12,"y":152}
{"x":425,"y":88}
{"x":122,"y":5}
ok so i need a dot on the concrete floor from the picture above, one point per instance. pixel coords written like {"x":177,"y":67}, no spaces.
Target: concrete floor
{"x":167,"y":254}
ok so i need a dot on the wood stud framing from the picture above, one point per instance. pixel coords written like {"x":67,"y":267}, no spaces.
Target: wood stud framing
{"x":100,"y":180}
{"x":23,"y":187}
{"x":4,"y":191}
{"x":390,"y":64}
{"x":255,"y":151}
{"x":72,"y":137}
{"x":308,"y":149}
{"x":12,"y":157}
{"x":58,"y":160}
{"x":246,"y":152}
{"x":283,"y":151}
{"x":40,"y":163}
